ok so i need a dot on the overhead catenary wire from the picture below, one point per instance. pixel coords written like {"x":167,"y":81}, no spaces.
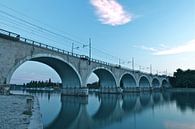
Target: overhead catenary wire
{"x":38,"y":21}
{"x":38,"y":30}
{"x":82,"y":43}
{"x":46,"y":30}
{"x":28,"y":30}
{"x":41,"y":28}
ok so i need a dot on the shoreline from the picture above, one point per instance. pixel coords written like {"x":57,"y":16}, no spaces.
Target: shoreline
{"x":36,"y":118}
{"x":20,"y":112}
{"x":181,"y":89}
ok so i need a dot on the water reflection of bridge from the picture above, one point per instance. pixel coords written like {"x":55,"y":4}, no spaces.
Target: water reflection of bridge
{"x":112,"y":109}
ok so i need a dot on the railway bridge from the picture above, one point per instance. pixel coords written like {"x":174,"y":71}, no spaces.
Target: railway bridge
{"x":73,"y":69}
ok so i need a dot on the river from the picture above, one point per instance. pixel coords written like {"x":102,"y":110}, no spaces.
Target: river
{"x":168,"y":110}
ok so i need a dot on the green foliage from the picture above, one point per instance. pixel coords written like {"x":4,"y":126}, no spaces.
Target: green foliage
{"x":42,"y":84}
{"x":183,"y":79}
{"x":95,"y":85}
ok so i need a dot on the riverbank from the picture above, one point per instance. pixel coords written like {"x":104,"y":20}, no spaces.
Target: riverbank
{"x":182,"y":89}
{"x":19,"y":112}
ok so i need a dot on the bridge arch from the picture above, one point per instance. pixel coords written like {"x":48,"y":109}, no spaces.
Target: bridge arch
{"x":67,"y":72}
{"x":165,"y":83}
{"x":155,"y":82}
{"x":144,"y":81}
{"x":127,"y":80}
{"x":106,"y":77}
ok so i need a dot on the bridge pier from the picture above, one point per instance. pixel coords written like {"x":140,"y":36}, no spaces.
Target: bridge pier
{"x":111,"y":90}
{"x":75,"y":91}
{"x":4,"y":89}
{"x":146,"y":89}
{"x":131,"y":89}
{"x":157,"y":88}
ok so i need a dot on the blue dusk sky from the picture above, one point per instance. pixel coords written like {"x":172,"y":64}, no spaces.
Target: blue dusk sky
{"x":157,"y":32}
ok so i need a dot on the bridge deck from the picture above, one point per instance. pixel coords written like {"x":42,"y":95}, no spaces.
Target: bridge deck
{"x":16,"y":37}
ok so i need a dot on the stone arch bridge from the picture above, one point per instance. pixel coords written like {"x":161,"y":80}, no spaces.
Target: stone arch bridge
{"x":73,"y":69}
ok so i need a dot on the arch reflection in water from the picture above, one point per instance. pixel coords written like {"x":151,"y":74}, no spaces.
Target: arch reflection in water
{"x":107,"y":107}
{"x":70,"y":110}
{"x":129,"y":102}
{"x":74,"y":113}
{"x":127,"y":111}
{"x":145,"y":99}
{"x":49,"y":104}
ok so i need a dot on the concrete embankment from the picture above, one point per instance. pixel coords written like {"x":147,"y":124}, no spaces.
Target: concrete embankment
{"x":19,"y":112}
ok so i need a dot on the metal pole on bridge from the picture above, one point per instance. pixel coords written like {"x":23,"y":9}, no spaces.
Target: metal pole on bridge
{"x":150,"y":68}
{"x":90,"y":48}
{"x":119,"y":62}
{"x":166,"y":72}
{"x":133,"y":64}
{"x":90,"y":55}
{"x":72,"y":48}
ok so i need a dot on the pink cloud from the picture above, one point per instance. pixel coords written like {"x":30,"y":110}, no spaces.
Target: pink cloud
{"x":111,"y":12}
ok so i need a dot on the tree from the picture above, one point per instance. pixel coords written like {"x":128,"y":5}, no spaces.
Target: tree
{"x":184,"y":79}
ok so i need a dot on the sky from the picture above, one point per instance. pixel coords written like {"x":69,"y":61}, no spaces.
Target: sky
{"x":160,"y":33}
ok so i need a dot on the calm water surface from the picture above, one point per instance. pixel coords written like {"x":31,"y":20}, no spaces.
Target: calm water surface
{"x":129,"y":111}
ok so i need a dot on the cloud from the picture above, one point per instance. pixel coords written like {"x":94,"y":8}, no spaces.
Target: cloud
{"x":165,"y":50}
{"x":147,"y":48}
{"x":111,"y":12}
{"x":163,"y":46}
{"x":150,"y":49}
{"x":188,"y":47}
